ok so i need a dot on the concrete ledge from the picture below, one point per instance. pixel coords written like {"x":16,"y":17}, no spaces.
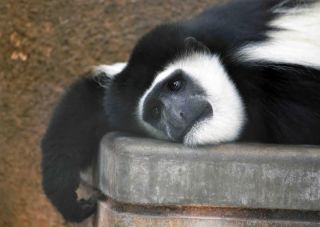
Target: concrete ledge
{"x":152,"y":172}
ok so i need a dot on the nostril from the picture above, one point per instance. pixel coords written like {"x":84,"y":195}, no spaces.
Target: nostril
{"x":181,"y":114}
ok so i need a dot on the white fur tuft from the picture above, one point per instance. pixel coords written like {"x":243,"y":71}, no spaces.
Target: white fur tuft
{"x":295,"y":40}
{"x":228,"y":111}
{"x":110,"y":70}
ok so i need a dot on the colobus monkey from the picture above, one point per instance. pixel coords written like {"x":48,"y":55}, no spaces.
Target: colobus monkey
{"x":245,"y":71}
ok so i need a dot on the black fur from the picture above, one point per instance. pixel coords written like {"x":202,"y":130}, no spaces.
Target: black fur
{"x":71,"y":141}
{"x":282,"y":101}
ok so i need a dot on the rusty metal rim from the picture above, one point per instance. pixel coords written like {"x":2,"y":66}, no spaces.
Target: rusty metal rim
{"x":216,"y":212}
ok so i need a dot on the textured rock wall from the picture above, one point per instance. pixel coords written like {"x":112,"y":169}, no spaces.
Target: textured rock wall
{"x":44,"y":46}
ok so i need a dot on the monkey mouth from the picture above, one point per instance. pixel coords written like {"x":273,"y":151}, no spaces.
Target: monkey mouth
{"x":205,"y":114}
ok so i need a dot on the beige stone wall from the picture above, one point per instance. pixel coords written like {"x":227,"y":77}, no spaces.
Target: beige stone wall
{"x":44,"y":46}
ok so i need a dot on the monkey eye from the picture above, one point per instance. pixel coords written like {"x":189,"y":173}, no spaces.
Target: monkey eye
{"x":174,"y":85}
{"x":155,"y":112}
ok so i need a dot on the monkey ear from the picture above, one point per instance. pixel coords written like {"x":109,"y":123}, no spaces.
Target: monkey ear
{"x":192,"y":44}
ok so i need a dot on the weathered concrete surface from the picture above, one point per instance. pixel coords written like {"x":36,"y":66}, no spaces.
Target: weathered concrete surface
{"x":113,"y":214}
{"x":44,"y":46}
{"x":145,"y":171}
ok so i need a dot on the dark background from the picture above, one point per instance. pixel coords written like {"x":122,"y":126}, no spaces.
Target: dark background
{"x":44,"y":46}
